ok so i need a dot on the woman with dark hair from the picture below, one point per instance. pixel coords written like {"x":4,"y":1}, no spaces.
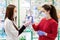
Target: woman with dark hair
{"x":10,"y":28}
{"x":47,"y":29}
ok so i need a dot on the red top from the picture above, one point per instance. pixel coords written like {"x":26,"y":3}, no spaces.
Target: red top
{"x":49,"y":26}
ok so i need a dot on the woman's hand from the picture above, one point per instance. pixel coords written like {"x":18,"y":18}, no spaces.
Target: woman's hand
{"x":41,"y":33}
{"x":27,"y":23}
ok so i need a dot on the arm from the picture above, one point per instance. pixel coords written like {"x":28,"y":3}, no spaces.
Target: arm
{"x":36,"y":27}
{"x":21,"y":29}
{"x":24,"y":27}
{"x":54,"y":28}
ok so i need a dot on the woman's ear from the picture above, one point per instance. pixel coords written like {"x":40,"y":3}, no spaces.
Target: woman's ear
{"x":48,"y":11}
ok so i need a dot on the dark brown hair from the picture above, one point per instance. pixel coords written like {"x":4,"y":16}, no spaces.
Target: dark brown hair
{"x":52,"y":10}
{"x":10,"y":12}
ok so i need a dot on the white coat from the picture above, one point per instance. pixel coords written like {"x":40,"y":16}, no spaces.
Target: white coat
{"x":11,"y":32}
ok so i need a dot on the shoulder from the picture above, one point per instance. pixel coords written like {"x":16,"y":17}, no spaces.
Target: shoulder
{"x":43,"y":20}
{"x":7,"y":21}
{"x":53,"y":22}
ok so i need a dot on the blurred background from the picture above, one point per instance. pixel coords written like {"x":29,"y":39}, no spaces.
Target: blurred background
{"x":26,"y":8}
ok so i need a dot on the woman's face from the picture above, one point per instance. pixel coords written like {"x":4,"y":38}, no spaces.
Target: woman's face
{"x":15,"y":12}
{"x":44,"y":11}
